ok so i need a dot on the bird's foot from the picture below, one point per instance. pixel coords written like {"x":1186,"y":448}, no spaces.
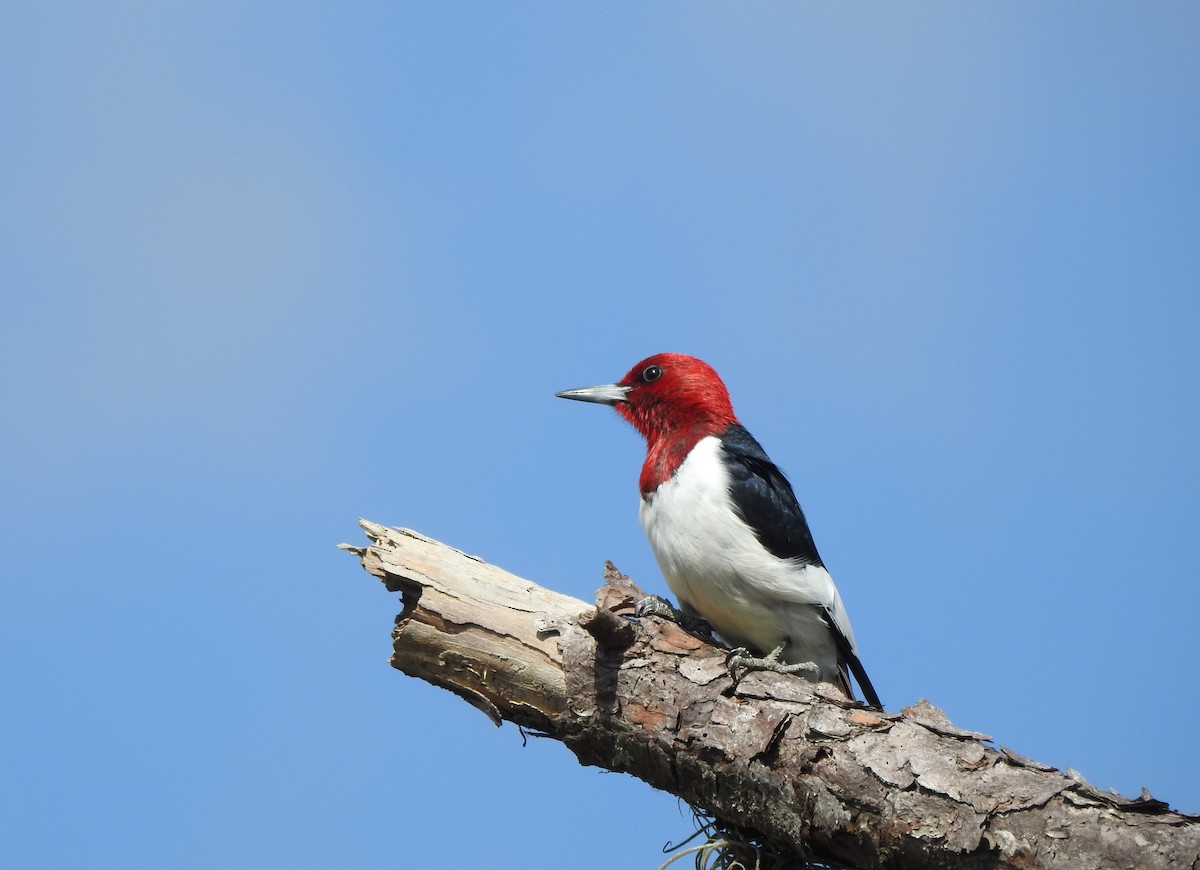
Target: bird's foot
{"x":742,"y":658}
{"x":656,"y":605}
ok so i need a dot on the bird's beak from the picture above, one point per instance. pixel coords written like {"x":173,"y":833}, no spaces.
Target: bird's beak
{"x":605,"y":394}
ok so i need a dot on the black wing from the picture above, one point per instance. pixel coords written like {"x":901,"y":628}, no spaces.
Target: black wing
{"x":765,"y":500}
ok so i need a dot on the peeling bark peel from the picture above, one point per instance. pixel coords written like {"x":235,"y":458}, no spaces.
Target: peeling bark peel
{"x":794,"y":761}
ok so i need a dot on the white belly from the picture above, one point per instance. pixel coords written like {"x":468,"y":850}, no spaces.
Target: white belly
{"x":716,"y":566}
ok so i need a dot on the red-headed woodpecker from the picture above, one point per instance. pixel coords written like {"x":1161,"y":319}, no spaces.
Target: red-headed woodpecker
{"x":725,"y":526}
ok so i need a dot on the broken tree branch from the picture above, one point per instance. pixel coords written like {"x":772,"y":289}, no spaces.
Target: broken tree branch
{"x":797,"y":763}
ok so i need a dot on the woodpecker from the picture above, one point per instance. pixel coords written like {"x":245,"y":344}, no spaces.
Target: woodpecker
{"x":725,"y":526}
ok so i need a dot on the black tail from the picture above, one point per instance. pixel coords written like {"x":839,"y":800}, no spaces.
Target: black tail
{"x":864,"y":682}
{"x":849,"y":659}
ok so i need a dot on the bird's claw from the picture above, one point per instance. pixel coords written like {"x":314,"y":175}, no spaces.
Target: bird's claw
{"x":656,"y":605}
{"x":743,"y":658}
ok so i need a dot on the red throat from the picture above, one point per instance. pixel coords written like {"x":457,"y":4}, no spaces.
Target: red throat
{"x":674,"y":401}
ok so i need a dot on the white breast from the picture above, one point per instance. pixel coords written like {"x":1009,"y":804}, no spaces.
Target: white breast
{"x":717,"y":568}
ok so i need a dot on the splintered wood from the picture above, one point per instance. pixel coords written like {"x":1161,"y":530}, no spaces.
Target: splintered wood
{"x":793,"y":762}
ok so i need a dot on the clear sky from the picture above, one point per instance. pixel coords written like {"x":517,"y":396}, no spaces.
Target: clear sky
{"x":269,"y":267}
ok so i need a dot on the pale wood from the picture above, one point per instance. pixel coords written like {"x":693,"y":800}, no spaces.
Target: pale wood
{"x":795,"y":763}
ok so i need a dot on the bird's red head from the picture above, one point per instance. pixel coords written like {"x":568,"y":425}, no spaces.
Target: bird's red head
{"x":671,"y":395}
{"x":673,"y":400}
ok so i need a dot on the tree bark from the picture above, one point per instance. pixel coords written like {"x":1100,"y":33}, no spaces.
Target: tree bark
{"x":792,"y":763}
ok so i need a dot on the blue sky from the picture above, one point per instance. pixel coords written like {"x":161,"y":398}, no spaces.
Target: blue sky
{"x":271,"y":267}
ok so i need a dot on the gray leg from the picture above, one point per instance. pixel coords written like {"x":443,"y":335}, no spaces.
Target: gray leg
{"x":654,"y":605}
{"x":741,"y":658}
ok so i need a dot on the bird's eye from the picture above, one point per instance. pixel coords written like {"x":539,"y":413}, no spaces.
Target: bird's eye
{"x":650,"y":374}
